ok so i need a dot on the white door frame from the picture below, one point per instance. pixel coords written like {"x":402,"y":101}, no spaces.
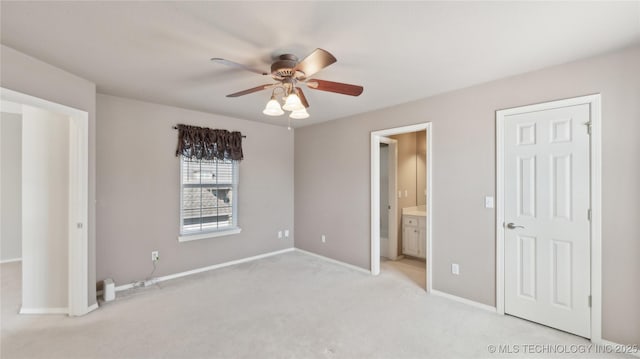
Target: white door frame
{"x":375,"y":194}
{"x":78,"y":266}
{"x":596,"y":201}
{"x":393,"y":199}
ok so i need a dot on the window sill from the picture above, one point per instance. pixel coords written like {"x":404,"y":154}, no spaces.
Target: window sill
{"x":195,"y":237}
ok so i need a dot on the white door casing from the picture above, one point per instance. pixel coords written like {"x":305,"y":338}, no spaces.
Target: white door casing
{"x":547,"y":256}
{"x":376,"y":138}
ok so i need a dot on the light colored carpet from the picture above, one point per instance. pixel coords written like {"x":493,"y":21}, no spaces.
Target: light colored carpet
{"x":287,"y":306}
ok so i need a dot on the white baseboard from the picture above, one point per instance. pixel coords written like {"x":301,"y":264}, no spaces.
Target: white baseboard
{"x":334,"y":261}
{"x":464,"y":300}
{"x":10,"y":260}
{"x":205,"y":269}
{"x":92,"y":308}
{"x":615,"y":346}
{"x":24,"y":310}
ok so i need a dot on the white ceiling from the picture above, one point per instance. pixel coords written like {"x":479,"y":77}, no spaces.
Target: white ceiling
{"x":399,"y":51}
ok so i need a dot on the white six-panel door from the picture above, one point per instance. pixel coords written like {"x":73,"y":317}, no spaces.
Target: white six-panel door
{"x":546,"y":200}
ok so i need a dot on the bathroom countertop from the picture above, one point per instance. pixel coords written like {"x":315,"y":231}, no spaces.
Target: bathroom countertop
{"x":414,"y":212}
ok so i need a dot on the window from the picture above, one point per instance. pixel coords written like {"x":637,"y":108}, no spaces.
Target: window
{"x":208,"y":198}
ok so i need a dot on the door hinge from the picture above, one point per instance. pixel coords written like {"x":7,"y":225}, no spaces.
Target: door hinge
{"x":589,"y":301}
{"x":589,"y":214}
{"x":588,"y":124}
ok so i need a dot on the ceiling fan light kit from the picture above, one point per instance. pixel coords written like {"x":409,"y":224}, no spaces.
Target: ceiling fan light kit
{"x":273,"y":108}
{"x":293,"y":103}
{"x":299,"y":114}
{"x":287,"y":71}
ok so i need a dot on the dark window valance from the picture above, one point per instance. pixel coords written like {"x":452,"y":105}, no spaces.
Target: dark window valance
{"x":208,"y":144}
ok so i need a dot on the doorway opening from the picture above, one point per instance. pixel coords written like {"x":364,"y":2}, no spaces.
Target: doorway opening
{"x":50,"y":185}
{"x":401,"y":201}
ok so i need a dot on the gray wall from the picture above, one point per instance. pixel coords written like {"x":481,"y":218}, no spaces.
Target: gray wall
{"x":332,"y":164}
{"x":11,"y":219}
{"x":138,"y":191}
{"x":23,"y":73}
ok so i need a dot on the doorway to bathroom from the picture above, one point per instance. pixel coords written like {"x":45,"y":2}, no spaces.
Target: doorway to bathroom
{"x":401,"y":202}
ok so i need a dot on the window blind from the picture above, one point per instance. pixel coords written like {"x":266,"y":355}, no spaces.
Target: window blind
{"x":209,"y":191}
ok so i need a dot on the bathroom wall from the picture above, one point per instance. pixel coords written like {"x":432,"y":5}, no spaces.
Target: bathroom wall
{"x":384,"y":190}
{"x":421,"y":168}
{"x":412,"y":182}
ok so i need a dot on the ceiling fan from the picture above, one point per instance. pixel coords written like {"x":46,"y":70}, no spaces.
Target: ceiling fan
{"x":288,"y":72}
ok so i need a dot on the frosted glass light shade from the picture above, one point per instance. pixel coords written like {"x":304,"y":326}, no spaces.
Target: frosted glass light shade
{"x":293,"y":103}
{"x":299,"y":114}
{"x":273,"y":108}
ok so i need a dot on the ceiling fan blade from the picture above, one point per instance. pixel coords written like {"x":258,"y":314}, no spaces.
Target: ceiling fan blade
{"x":303,"y":99}
{"x":237,"y":65}
{"x":251,"y":90}
{"x":337,"y":87}
{"x":314,"y":62}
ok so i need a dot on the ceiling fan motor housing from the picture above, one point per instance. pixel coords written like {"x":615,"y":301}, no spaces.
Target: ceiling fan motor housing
{"x":284,"y":67}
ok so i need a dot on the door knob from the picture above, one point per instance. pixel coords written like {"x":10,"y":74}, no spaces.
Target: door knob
{"x":513,"y":226}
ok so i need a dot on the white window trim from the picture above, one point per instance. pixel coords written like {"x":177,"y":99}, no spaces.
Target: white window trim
{"x":207,"y":235}
{"x":235,"y":229}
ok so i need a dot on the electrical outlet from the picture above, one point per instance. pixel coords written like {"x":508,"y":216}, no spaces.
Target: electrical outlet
{"x":286,"y":233}
{"x":455,"y":268}
{"x":280,"y":234}
{"x":324,"y":239}
{"x":155,"y":256}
